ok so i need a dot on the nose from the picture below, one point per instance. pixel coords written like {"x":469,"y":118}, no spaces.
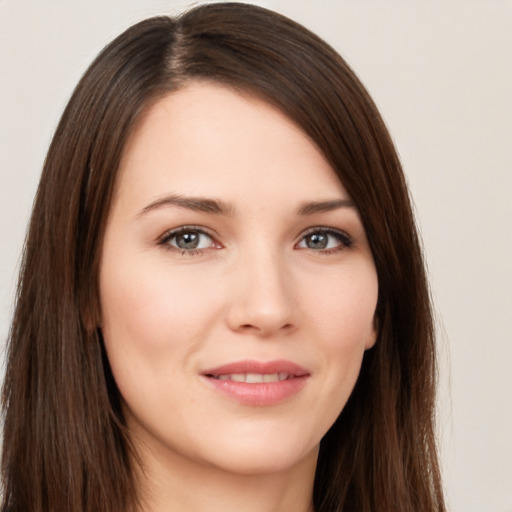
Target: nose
{"x":262,"y":302}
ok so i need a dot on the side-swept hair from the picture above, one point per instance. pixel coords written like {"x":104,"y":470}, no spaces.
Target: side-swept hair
{"x":65,"y":445}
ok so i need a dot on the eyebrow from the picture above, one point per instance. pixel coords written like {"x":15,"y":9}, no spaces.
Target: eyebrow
{"x":218,"y":207}
{"x":197,"y":204}
{"x":324,"y":206}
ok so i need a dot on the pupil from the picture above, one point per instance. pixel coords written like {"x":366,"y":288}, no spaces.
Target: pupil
{"x":317,"y":241}
{"x":187,"y":240}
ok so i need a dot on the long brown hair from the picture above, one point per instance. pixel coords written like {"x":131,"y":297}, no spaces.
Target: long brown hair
{"x":65,"y":446}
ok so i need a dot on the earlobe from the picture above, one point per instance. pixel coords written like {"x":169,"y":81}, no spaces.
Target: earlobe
{"x":373,"y":336}
{"x":91,"y":318}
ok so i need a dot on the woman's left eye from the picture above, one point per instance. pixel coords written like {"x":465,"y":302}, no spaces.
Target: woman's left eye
{"x":325,"y":240}
{"x":187,"y":240}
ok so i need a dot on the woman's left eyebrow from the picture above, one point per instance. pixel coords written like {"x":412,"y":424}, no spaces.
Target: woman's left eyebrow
{"x":324,"y":206}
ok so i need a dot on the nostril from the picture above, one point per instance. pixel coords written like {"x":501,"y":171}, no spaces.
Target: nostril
{"x":266,"y":329}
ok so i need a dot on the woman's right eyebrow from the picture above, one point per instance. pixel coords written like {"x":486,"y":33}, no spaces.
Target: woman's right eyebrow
{"x":198,"y":204}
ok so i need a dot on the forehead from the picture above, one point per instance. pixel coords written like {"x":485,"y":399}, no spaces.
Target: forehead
{"x":207,"y":139}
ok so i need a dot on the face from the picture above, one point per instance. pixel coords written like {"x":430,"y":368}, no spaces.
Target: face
{"x":237,"y":287}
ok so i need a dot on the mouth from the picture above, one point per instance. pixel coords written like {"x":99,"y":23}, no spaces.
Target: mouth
{"x":257,"y":383}
{"x":253,"y":378}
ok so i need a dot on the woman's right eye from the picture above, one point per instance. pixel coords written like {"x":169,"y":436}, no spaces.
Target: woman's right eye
{"x":188,"y":240}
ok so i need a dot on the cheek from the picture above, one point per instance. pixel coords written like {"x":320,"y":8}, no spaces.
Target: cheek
{"x":153,"y":326}
{"x":153,"y":306}
{"x":345,"y":327}
{"x":153,"y":322}
{"x":343,"y":307}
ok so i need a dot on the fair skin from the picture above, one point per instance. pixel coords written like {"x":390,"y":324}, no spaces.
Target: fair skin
{"x":231,"y":249}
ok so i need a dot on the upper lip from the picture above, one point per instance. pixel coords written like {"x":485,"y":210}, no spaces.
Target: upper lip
{"x":262,"y":367}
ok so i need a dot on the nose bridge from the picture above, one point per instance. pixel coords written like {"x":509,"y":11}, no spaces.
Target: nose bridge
{"x":263,"y":300}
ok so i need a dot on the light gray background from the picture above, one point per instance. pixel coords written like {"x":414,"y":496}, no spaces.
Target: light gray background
{"x":441,"y":73}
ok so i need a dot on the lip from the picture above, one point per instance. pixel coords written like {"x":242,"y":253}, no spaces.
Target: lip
{"x":260,"y":393}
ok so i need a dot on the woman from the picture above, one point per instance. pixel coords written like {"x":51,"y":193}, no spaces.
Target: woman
{"x":222,"y":301}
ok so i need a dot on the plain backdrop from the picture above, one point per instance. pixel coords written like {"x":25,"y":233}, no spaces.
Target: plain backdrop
{"x":441,"y":73}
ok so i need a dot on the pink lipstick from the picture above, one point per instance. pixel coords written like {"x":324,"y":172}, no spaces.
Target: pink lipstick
{"x":258,"y":383}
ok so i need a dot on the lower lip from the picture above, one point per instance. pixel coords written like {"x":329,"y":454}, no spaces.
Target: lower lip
{"x":260,"y":394}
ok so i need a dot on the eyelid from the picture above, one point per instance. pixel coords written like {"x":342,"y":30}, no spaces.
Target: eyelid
{"x":346,"y":241}
{"x":170,"y":233}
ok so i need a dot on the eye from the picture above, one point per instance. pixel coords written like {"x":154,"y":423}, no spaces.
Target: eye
{"x":188,"y":240}
{"x":325,"y":240}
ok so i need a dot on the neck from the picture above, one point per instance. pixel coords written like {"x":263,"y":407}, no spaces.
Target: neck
{"x":170,"y":482}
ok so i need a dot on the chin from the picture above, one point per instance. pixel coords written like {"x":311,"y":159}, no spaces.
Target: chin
{"x":251,"y":457}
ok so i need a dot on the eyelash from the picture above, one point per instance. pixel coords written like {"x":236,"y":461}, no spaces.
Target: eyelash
{"x":345,"y":241}
{"x":164,"y":241}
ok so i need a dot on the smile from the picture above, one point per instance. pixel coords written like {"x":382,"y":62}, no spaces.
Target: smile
{"x":253,"y":378}
{"x":257,"y":383}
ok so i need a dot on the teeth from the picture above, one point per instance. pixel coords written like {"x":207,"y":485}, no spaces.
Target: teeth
{"x":253,"y":378}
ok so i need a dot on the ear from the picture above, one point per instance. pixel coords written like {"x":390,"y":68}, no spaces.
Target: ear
{"x":89,"y":322}
{"x":91,"y":316}
{"x":373,"y":335}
